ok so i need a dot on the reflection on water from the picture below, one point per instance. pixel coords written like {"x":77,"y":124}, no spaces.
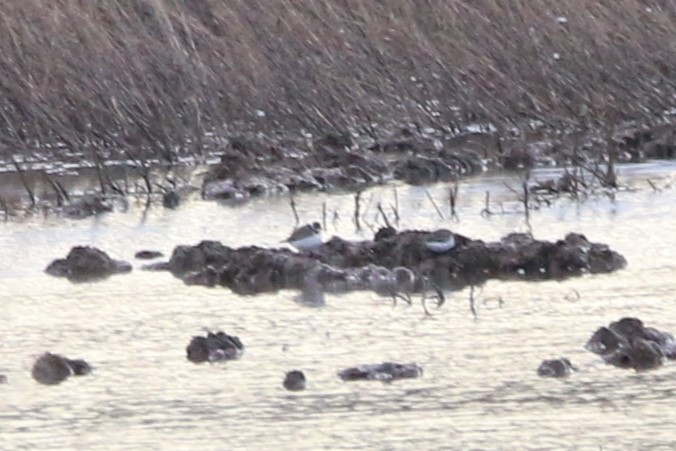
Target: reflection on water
{"x":479,"y":391}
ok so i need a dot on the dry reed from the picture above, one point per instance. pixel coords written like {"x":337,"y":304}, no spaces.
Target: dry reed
{"x":155,"y":76}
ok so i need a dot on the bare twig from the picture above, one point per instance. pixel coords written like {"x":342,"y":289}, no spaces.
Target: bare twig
{"x":357,"y":202}
{"x":324,"y":215}
{"x":525,"y":200}
{"x":56,"y":189}
{"x":436,"y":207}
{"x":486,"y":212}
{"x":453,"y":198}
{"x":382,"y":213}
{"x":292,"y":202}
{"x":24,"y":181}
{"x":653,"y":186}
{"x":5,"y":208}
{"x":395,"y":208}
{"x":335,"y":218}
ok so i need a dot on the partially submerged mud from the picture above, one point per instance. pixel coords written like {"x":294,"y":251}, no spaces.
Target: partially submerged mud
{"x":258,"y":165}
{"x":384,"y":372}
{"x":215,"y":347}
{"x":560,"y":367}
{"x":264,"y":165}
{"x":255,"y":167}
{"x":628,"y":343}
{"x":86,"y":264}
{"x":52,"y":369}
{"x":339,"y":265}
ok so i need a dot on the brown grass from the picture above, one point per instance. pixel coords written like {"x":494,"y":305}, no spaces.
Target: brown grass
{"x":157,"y":74}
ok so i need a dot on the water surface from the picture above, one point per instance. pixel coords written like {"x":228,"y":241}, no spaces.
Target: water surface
{"x":479,"y":390}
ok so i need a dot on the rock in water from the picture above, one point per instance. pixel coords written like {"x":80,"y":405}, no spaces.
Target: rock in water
{"x":52,"y":369}
{"x":555,"y":368}
{"x":214,"y":348}
{"x":294,"y":381}
{"x":385,"y":372}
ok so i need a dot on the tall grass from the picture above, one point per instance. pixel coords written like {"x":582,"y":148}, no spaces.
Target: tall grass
{"x":157,"y":74}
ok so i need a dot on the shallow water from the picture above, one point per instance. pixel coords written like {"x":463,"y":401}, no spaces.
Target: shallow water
{"x":479,"y":389}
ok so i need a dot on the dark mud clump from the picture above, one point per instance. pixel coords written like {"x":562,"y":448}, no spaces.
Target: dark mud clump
{"x":555,"y":368}
{"x":148,"y":255}
{"x":294,"y":381}
{"x":628,"y":343}
{"x":385,"y":372}
{"x":215,"y":347}
{"x":52,"y":369}
{"x":85,"y":264}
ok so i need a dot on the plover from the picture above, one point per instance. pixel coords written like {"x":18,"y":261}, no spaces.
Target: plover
{"x":306,"y":237}
{"x":440,"y":241}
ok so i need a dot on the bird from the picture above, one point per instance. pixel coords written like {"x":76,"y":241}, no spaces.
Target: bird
{"x":306,"y":237}
{"x":440,"y":241}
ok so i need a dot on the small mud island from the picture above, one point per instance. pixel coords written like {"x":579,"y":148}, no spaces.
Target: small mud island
{"x":339,"y":265}
{"x":384,"y":372}
{"x":215,"y":347}
{"x":628,"y":343}
{"x":52,"y":369}
{"x":86,"y":264}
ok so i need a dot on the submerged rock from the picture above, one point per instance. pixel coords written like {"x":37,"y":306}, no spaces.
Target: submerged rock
{"x":52,"y":369}
{"x":628,"y":343}
{"x":214,"y":348}
{"x":148,"y":255}
{"x":170,"y":199}
{"x":385,"y":372}
{"x":604,"y":342}
{"x":294,"y":381}
{"x":84,"y":264}
{"x":555,"y":368}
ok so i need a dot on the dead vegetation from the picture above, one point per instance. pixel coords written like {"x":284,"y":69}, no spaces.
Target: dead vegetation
{"x":156,"y":77}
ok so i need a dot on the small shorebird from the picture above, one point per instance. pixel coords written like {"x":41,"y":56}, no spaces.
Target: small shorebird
{"x":440,"y":241}
{"x":306,"y":237}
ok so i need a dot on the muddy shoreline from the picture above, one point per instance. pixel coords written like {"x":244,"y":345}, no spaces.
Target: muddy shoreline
{"x":236,"y":169}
